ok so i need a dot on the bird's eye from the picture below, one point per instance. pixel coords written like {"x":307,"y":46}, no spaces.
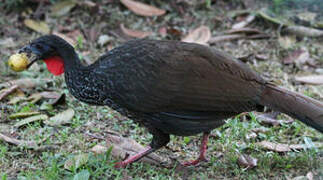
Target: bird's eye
{"x":38,"y":46}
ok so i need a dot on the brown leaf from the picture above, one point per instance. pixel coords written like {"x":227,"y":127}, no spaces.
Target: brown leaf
{"x":63,"y":7}
{"x":25,"y":83}
{"x":313,"y":80}
{"x":134,"y":33}
{"x":122,"y":147}
{"x":61,"y":118}
{"x":99,"y":149}
{"x":247,"y":161}
{"x":286,"y":41}
{"x":6,"y":92}
{"x":244,"y":30}
{"x":28,"y":144}
{"x":303,"y":31}
{"x":268,"y":118}
{"x":199,"y":35}
{"x":244,"y":23}
{"x":23,"y":114}
{"x":299,"y":56}
{"x":66,"y":38}
{"x":226,"y":38}
{"x":38,"y":26}
{"x":277,"y":147}
{"x":142,"y":9}
{"x":31,"y":119}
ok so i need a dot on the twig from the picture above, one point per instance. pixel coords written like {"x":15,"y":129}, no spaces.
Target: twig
{"x":8,"y":91}
{"x":226,"y":38}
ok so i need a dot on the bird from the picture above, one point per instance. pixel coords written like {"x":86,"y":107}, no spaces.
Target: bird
{"x":170,"y":87}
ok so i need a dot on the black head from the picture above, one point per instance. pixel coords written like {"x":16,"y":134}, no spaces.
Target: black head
{"x":45,"y":47}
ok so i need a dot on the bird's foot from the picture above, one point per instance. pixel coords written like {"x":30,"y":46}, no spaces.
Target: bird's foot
{"x":194,"y":162}
{"x":134,"y":158}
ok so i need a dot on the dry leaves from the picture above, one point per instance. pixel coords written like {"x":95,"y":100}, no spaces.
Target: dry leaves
{"x":299,"y":56}
{"x":23,"y":114}
{"x":38,"y":26}
{"x":25,"y":83}
{"x":268,"y":118}
{"x":6,"y":92}
{"x":244,"y":23}
{"x":247,"y":161}
{"x":313,"y":79}
{"x":31,"y":119}
{"x":63,"y":7}
{"x":134,"y":33}
{"x":142,"y":9}
{"x":66,"y":38}
{"x":122,"y":147}
{"x":277,"y":147}
{"x":28,"y":144}
{"x":303,"y":31}
{"x":61,"y":118}
{"x":200,"y":35}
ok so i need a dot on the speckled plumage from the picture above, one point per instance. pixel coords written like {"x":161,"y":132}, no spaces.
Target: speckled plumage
{"x":176,"y":88}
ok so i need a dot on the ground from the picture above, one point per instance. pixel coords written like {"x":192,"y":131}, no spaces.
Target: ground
{"x":85,"y":24}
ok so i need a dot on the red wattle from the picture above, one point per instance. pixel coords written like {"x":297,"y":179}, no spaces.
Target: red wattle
{"x":55,"y":65}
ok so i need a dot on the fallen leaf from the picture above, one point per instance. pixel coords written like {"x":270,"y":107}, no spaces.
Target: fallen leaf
{"x":25,"y":83}
{"x":28,"y":144}
{"x":299,"y":56}
{"x":268,"y":118}
{"x":66,"y":38}
{"x":6,"y":92}
{"x":313,"y":79}
{"x":247,"y":161}
{"x":61,"y":118}
{"x":244,"y":30}
{"x":142,"y":9}
{"x":76,"y":161}
{"x":199,"y":35}
{"x":277,"y":147}
{"x":31,"y":119}
{"x":63,"y":7}
{"x":103,"y":39}
{"x":23,"y":114}
{"x":303,"y":31}
{"x":122,"y":147}
{"x":8,"y":42}
{"x":50,"y":94}
{"x":99,"y":149}
{"x":58,"y":100}
{"x":261,"y":57}
{"x":286,"y":41}
{"x":134,"y":33}
{"x":244,"y":23}
{"x":216,"y":39}
{"x":38,"y":26}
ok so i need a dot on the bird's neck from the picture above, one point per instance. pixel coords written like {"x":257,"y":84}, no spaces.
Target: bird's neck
{"x":81,"y":80}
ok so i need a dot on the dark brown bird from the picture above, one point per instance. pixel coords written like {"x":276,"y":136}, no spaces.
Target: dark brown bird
{"x":171,"y":87}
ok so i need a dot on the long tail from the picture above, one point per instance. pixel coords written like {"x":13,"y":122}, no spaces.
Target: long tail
{"x":303,"y":108}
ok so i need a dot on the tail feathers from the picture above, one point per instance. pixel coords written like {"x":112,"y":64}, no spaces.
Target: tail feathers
{"x":303,"y":108}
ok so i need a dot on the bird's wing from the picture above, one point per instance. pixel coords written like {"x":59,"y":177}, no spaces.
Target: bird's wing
{"x":167,"y":76}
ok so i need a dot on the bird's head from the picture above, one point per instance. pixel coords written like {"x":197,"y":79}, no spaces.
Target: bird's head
{"x":47,"y":48}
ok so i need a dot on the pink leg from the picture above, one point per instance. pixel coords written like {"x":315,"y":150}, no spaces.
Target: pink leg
{"x":203,"y":149}
{"x":134,"y":158}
